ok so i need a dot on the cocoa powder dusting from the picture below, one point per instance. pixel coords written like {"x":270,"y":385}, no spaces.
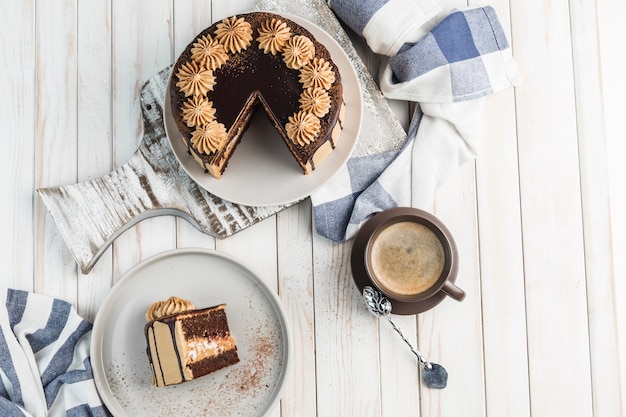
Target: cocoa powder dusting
{"x":239,"y":390}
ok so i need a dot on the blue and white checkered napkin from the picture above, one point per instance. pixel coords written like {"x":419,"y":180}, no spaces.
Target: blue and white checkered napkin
{"x":44,"y":359}
{"x":445,"y":63}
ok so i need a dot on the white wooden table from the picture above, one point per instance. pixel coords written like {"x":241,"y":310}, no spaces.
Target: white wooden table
{"x":538,"y":218}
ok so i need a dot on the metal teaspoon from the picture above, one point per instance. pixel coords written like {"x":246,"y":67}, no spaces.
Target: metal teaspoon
{"x":434,"y":375}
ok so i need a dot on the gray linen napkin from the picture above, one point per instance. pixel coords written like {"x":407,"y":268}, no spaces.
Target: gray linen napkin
{"x":445,"y":63}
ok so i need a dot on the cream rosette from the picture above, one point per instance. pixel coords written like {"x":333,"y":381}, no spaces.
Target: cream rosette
{"x":198,"y":111}
{"x":209,"y":52}
{"x":298,"y":51}
{"x":303,"y":127}
{"x":171,"y":306}
{"x":209,"y":138}
{"x":195,"y":79}
{"x":234,"y":33}
{"x":273,"y":36}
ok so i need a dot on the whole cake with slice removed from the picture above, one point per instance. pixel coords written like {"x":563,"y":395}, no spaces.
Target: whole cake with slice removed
{"x":251,"y":61}
{"x":185,"y":343}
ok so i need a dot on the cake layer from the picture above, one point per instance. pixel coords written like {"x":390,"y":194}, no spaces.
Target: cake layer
{"x":188,"y":345}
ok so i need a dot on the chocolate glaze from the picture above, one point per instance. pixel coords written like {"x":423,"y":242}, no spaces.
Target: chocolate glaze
{"x":251,"y":80}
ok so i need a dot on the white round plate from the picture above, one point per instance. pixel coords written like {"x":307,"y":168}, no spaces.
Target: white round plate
{"x":256,"y":319}
{"x":264,"y":173}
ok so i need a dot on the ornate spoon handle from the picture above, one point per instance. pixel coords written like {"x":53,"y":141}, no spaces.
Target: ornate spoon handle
{"x":421,"y":358}
{"x":434,"y":375}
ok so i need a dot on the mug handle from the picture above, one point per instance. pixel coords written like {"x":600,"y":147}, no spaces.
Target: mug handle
{"x":449,"y":288}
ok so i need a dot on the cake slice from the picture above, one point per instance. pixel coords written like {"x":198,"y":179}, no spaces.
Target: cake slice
{"x":185,"y":343}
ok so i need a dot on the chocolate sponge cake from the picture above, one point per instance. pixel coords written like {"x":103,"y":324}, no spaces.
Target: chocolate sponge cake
{"x":185,"y":344}
{"x":249,"y":62}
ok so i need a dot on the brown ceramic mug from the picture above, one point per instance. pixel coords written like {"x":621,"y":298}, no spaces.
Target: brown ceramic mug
{"x":410,"y":256}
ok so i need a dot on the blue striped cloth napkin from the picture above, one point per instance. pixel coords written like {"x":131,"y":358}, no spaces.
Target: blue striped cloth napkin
{"x":447,"y":64}
{"x":44,"y":358}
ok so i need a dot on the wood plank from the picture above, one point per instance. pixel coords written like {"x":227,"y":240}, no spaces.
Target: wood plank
{"x":296,"y":290}
{"x":451,"y":333}
{"x":555,"y":281}
{"x":17,"y":115}
{"x":501,"y":262}
{"x":56,"y":140}
{"x":400,"y":374}
{"x":611,"y":31}
{"x":94,"y":130}
{"x":603,"y":319}
{"x":347,"y":354}
{"x":142,"y":46}
{"x":255,"y":246}
{"x":501,"y":258}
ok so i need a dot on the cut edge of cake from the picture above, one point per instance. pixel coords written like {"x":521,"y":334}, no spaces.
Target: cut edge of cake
{"x":188,"y":344}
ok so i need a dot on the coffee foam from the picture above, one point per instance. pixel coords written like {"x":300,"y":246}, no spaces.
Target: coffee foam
{"x":406,"y":258}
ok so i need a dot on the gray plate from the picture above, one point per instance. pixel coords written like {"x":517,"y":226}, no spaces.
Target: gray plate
{"x":256,"y":318}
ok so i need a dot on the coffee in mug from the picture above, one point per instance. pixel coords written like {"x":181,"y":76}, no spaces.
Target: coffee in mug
{"x":407,"y":258}
{"x":410,"y":255}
